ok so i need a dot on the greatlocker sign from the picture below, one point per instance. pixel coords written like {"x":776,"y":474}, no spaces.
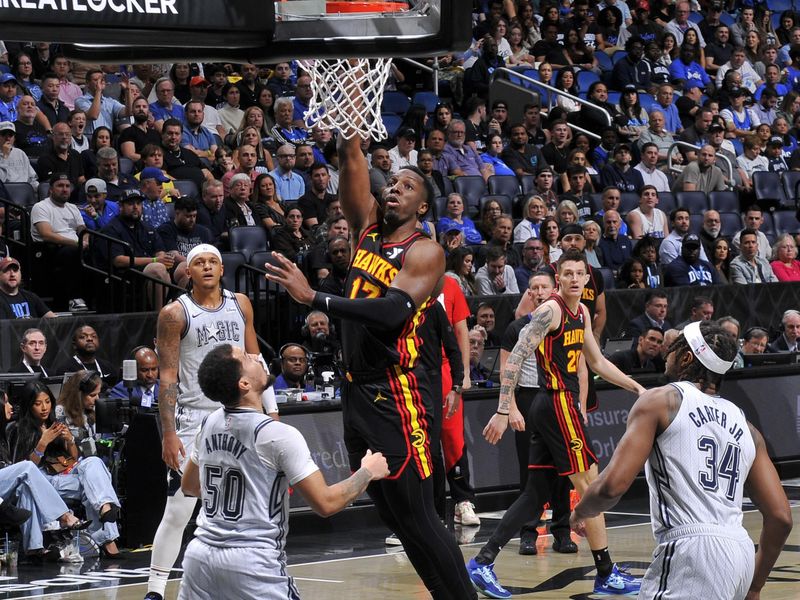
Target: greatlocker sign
{"x":150,"y":7}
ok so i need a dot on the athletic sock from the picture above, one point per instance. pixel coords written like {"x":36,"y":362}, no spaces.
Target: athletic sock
{"x":487,"y":554}
{"x":602,"y":560}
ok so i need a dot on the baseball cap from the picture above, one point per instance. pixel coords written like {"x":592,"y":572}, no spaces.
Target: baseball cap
{"x":716,"y":6}
{"x":737,"y":92}
{"x":452,"y":228}
{"x":198,"y":80}
{"x":775,"y":140}
{"x":545,"y":170}
{"x":131,"y":196}
{"x":6,"y":77}
{"x":629,"y":88}
{"x":691,"y":239}
{"x":694,"y":85}
{"x":620,"y":147}
{"x":716,"y":127}
{"x":499,"y":104}
{"x":58,"y":177}
{"x":153,"y":173}
{"x":6,"y":262}
{"x":407,"y":133}
{"x":7,"y":126}
{"x":95,"y":186}
{"x":571,"y":229}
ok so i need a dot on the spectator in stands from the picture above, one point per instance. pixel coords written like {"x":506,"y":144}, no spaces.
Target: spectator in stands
{"x":496,"y":276}
{"x":647,"y":219}
{"x":246,"y":157}
{"x":248,"y":85}
{"x":285,"y":131}
{"x":198,"y":89}
{"x":776,"y":162}
{"x":610,"y":199}
{"x":98,"y":210}
{"x":591,"y":233}
{"x":784,"y":258}
{"x":52,"y":108}
{"x":17,"y":303}
{"x":179,"y":162}
{"x":477,"y":342}
{"x":701,"y":309}
{"x":765,"y":109}
{"x":149,"y":254}
{"x":478,"y":76}
{"x":181,"y":235}
{"x":403,"y":153}
{"x":282,"y":80}
{"x":165,"y":108}
{"x":646,"y":249}
{"x":501,"y":237}
{"x":381,"y":170}
{"x":211,"y":211}
{"x":76,"y":406}
{"x":748,"y":267}
{"x":751,"y":161}
{"x":644,"y":28}
{"x":33,"y":347}
{"x":532,"y":261}
{"x":711,"y":231}
{"x":425,"y":163}
{"x":590,"y":118}
{"x":754,"y":341}
{"x":689,"y":104}
{"x":534,"y":210}
{"x":290,"y":184}
{"x":633,"y":120}
{"x":196,"y":137}
{"x":645,"y":357}
{"x":31,"y":135}
{"x":292,"y":239}
{"x":555,"y":151}
{"x":754,"y":219}
{"x":460,"y":157}
{"x":494,"y":148}
{"x":144,"y":392}
{"x":522,"y":157}
{"x":339,"y":255}
{"x":681,"y":23}
{"x":454,"y":217}
{"x":151,"y":181}
{"x":59,"y":157}
{"x":459,"y":266}
{"x":85,"y":348}
{"x":545,"y":182}
{"x":738,"y":63}
{"x":435,"y":143}
{"x":267,"y":205}
{"x":648,"y":168}
{"x":697,"y":132}
{"x":788,"y":340}
{"x":294,"y":367}
{"x":9,"y":98}
{"x":619,"y":173}
{"x":101,"y":138}
{"x":689,"y":268}
{"x":656,"y":305}
{"x":686,"y":71}
{"x":230,"y":113}
{"x":238,"y":210}
{"x":721,"y":257}
{"x":739,"y":119}
{"x":314,"y":203}
{"x":613,"y":248}
{"x":101,"y":110}
{"x":303,"y":159}
{"x":659,"y":56}
{"x":15,"y":166}
{"x":701,"y":175}
{"x":475,"y":121}
{"x":670,"y":249}
{"x":68,"y":92}
{"x":578,"y":188}
{"x":485,"y":318}
{"x":719,"y":51}
{"x":318,"y":263}
{"x":567,"y":213}
{"x":632,"y":70}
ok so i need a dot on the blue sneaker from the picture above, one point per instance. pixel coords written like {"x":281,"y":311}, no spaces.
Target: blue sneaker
{"x":485,"y":581}
{"x":618,"y":581}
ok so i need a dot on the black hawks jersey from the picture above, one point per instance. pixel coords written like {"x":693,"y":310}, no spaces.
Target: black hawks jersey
{"x":374,"y":266}
{"x":560,"y":351}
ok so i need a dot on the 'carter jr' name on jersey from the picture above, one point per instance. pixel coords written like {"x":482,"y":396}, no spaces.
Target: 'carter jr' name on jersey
{"x":218,"y":332}
{"x":712,"y":414}
{"x":375,"y":266}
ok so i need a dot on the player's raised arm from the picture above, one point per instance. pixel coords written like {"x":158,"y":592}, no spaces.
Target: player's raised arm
{"x":543,"y":320}
{"x":358,"y":205}
{"x":600,"y":364}
{"x":170,"y":326}
{"x":765,"y":490}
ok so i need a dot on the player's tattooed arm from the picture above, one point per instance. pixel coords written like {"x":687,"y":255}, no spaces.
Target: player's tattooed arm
{"x":529,"y":339}
{"x":171,"y":322}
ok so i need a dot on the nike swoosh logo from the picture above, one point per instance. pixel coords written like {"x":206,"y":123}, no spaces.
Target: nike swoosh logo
{"x":327,"y":302}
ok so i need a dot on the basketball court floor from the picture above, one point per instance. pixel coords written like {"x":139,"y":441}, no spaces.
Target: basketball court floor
{"x":347,"y":559}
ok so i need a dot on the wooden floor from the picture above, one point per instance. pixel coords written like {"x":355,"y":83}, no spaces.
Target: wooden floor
{"x":548,"y":575}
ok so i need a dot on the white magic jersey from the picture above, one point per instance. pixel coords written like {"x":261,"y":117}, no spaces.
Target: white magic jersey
{"x":247,"y":462}
{"x":698,"y":466}
{"x":205,"y":330}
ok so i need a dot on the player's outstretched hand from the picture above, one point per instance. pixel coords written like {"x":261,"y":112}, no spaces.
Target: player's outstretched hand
{"x":577,"y":524}
{"x":495,"y":428}
{"x":172,"y":451}
{"x":515,"y":418}
{"x":376,"y":464}
{"x":288,"y":274}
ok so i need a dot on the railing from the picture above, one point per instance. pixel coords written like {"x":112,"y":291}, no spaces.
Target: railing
{"x":434,"y":69}
{"x":17,"y":231}
{"x":508,"y":73}
{"x":694,"y":148}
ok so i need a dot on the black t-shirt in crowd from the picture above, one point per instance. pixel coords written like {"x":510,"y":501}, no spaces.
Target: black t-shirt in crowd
{"x":22,"y":305}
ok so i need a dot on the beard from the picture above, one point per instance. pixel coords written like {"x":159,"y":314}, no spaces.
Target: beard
{"x":140,"y":118}
{"x":712,"y":231}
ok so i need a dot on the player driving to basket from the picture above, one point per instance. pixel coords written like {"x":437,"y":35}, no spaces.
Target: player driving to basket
{"x":559,"y":332}
{"x":387,"y":399}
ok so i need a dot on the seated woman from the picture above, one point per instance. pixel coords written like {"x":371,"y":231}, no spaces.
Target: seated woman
{"x":268,"y":207}
{"x":76,"y":402}
{"x":250,"y":135}
{"x":534,"y":210}
{"x":292,"y":239}
{"x":33,"y":493}
{"x":494,"y":147}
{"x":784,"y":259}
{"x":567,"y":212}
{"x":459,"y":266}
{"x":454,"y":217}
{"x":48,"y":443}
{"x":631,"y":274}
{"x":646,"y":250}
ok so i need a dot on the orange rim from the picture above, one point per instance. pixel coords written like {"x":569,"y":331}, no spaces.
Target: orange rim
{"x":365,"y":7}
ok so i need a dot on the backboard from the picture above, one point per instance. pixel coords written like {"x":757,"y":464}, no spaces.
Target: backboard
{"x":239,"y":30}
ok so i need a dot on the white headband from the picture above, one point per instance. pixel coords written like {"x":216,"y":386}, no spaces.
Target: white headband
{"x":703,"y":351}
{"x":202,"y":249}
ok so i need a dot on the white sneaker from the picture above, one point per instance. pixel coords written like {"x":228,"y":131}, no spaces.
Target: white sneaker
{"x":393,"y":540}
{"x":465,"y":514}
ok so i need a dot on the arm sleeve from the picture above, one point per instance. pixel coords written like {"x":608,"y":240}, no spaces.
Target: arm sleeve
{"x":386,"y":313}
{"x":452,"y":351}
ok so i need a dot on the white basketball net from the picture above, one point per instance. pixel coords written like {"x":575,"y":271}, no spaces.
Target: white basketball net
{"x":348,"y":95}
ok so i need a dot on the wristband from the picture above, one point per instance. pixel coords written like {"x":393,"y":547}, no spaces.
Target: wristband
{"x":501,"y":413}
{"x":155,"y":259}
{"x":37,"y":453}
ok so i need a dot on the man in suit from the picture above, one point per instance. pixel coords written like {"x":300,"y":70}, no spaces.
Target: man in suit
{"x":33,"y":347}
{"x":646,"y":356}
{"x":655,"y":314}
{"x":145,"y":389}
{"x":789,"y":340}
